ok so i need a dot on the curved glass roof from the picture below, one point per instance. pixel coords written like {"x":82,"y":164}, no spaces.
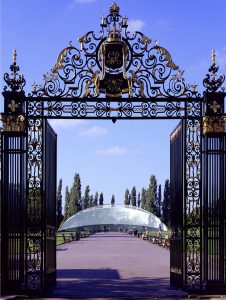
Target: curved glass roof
{"x":113,"y":215}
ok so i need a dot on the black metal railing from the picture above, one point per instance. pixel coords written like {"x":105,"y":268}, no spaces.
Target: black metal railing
{"x":214,"y":208}
{"x":12,"y":206}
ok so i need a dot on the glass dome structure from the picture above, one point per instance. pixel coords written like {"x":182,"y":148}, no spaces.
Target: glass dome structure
{"x":120,"y":216}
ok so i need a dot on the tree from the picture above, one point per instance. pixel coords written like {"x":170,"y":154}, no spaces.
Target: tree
{"x":138,"y":200}
{"x":59,"y":204}
{"x":91,"y":201}
{"x":127,"y":199}
{"x":133,"y":196}
{"x":75,"y":196}
{"x":66,"y":204}
{"x":166,"y":203}
{"x":113,"y":200}
{"x":79,"y":192}
{"x":151,"y":194}
{"x":95,"y":202}
{"x":143,"y":198}
{"x":159,"y":202}
{"x":101,"y":199}
{"x":86,"y":197}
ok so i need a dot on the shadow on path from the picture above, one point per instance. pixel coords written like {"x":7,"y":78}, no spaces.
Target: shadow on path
{"x":107,"y":284}
{"x":87,"y":274}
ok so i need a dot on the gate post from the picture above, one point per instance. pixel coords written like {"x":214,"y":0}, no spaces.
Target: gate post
{"x":214,"y":182}
{"x":13,"y":152}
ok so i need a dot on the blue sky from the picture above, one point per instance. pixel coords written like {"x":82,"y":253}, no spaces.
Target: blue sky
{"x":111,"y":157}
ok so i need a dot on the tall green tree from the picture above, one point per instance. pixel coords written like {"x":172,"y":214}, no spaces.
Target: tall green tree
{"x":101,"y":199}
{"x":133,"y":196}
{"x":79,"y":191}
{"x":159,"y":202}
{"x":91,"y":201}
{"x":113,"y":200}
{"x":75,"y":196}
{"x":127,"y":197}
{"x":66,"y":204}
{"x":143,"y":198}
{"x":151,"y":194}
{"x":138,"y":200}
{"x":86,"y":198}
{"x":59,"y":204}
{"x":95,"y":201}
{"x":166,"y":203}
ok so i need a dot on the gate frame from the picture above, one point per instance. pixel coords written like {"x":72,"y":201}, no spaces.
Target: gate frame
{"x":78,"y":98}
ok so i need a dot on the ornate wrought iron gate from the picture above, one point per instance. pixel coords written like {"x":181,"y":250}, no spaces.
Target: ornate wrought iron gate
{"x":177,"y":146}
{"x":114,"y":76}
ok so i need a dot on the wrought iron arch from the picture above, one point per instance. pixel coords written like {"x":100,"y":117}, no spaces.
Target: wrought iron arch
{"x":115,"y":75}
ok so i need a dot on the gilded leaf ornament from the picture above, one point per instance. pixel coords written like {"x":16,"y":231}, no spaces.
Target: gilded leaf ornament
{"x":168,"y":57}
{"x":61,"y":58}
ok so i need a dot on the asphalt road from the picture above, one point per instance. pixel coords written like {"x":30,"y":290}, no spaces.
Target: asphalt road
{"x":113,"y":265}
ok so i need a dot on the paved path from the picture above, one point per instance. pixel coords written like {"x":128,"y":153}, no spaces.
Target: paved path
{"x":113,"y":265}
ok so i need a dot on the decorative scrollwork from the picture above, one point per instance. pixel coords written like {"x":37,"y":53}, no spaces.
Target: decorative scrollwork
{"x":167,"y":56}
{"x":79,"y":108}
{"x":148,"y":68}
{"x":34,"y":205}
{"x":34,"y":261}
{"x":193,"y":204}
{"x":34,"y":172}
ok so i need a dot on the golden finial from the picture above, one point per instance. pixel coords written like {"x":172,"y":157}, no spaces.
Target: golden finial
{"x":102,"y":20}
{"x":125,"y":20}
{"x":213,"y":56}
{"x":14,"y":55}
{"x":34,"y":86}
{"x":114,"y":9}
{"x":194,"y":86}
{"x":114,"y":5}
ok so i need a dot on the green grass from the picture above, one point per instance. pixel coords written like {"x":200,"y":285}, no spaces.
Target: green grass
{"x":59,"y":238}
{"x":155,"y":233}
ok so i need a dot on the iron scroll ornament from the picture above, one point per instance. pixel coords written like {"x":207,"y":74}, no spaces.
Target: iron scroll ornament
{"x":147,"y":69}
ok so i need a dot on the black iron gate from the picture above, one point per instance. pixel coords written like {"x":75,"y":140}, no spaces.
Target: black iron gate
{"x":115,"y":76}
{"x":50,"y":209}
{"x":41,"y":206}
{"x":177,"y":146}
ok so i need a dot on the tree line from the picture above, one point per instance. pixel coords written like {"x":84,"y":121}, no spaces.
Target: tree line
{"x":151,"y":199}
{"x":74,"y":200}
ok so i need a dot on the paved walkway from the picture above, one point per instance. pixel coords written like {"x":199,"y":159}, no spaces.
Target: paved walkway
{"x":113,"y":265}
